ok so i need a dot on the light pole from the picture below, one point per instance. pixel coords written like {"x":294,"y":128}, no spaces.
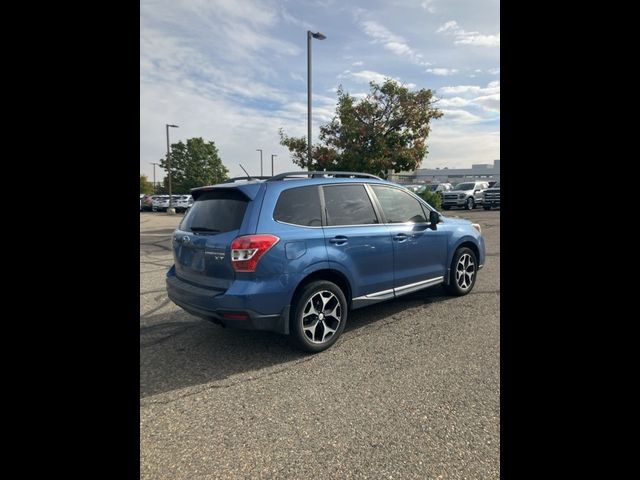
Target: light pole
{"x":318,"y":36}
{"x":260,"y":150}
{"x":170,"y":210}
{"x":272,"y":164}
{"x":155,"y":190}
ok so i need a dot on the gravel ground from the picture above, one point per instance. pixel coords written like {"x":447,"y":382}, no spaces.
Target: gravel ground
{"x":411,"y":390}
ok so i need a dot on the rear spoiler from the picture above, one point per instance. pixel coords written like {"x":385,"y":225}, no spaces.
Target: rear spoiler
{"x":246,"y":190}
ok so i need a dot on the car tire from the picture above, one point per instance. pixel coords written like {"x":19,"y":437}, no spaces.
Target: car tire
{"x":446,"y":207}
{"x":469,"y":204}
{"x":463,"y":273}
{"x":487,"y":207}
{"x":318,"y":308}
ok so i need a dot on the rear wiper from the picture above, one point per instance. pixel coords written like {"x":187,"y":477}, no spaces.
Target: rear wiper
{"x":204,"y":229}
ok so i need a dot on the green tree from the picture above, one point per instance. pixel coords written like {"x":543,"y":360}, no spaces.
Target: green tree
{"x":386,"y":130}
{"x":145,"y":185}
{"x":194,"y":164}
{"x":432,"y":198}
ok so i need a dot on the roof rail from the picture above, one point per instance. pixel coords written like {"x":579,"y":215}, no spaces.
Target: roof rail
{"x":315,"y":174}
{"x":234,"y":179}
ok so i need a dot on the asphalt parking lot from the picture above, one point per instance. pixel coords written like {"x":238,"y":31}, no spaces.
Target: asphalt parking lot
{"x":411,"y":389}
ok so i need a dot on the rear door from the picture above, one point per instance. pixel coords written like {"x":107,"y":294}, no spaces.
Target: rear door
{"x":201,"y":244}
{"x":356,"y":239}
{"x":419,"y":252}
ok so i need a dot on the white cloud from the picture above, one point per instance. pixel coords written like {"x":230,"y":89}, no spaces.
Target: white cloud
{"x":490,"y":89}
{"x":236,"y":130}
{"x":442,"y":71}
{"x":454,"y":146}
{"x":494,"y":71}
{"x":367,"y":76}
{"x":463,"y":37}
{"x":476,"y":39}
{"x":451,"y":25}
{"x":461,"y":116}
{"x":428,"y":6}
{"x":287,"y":17}
{"x":489,"y":102}
{"x":398,"y":48}
{"x":392,"y":42}
{"x":453,"y":102}
{"x":357,"y":64}
{"x":483,"y":100}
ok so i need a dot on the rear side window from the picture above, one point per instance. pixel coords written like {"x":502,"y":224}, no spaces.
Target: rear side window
{"x":398,"y":206}
{"x":215,"y":212}
{"x":348,"y":205}
{"x":299,"y":206}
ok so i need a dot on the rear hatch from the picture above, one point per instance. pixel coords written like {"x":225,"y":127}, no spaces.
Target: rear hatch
{"x":202,"y":242}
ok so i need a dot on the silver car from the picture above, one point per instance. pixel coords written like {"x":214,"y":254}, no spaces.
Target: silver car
{"x":465,"y":195}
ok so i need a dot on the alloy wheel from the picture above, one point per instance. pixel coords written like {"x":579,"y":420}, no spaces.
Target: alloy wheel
{"x":321,"y":317}
{"x":465,"y":270}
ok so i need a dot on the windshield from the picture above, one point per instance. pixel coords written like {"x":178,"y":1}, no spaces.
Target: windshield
{"x":433,"y":188}
{"x":464,"y":186}
{"x":496,"y":185}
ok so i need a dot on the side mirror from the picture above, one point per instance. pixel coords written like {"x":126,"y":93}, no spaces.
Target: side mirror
{"x":434,"y":218}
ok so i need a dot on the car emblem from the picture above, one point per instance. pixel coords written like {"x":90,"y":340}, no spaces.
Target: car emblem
{"x":185,"y":239}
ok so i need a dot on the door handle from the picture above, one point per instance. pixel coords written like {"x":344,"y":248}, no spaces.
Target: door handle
{"x":401,"y":237}
{"x":339,"y":240}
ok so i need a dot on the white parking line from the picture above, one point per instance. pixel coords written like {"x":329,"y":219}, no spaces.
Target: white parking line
{"x":155,"y":234}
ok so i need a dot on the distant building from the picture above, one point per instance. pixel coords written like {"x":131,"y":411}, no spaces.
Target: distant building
{"x":478,"y":171}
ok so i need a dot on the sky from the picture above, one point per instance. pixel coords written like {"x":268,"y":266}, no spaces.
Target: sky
{"x":235,"y":72}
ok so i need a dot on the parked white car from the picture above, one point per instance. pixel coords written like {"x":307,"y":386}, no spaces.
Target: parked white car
{"x":160,"y":203}
{"x":183,"y":202}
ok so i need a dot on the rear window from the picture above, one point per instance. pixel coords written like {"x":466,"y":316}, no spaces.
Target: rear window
{"x":215,"y":212}
{"x":299,"y":206}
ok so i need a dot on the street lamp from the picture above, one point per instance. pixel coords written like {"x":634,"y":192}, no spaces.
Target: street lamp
{"x":170,"y":210}
{"x":318,"y":36}
{"x":154,"y":176}
{"x":272,"y":163}
{"x":260,"y":150}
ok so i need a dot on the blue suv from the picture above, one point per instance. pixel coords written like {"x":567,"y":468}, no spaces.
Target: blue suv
{"x":296,"y":252}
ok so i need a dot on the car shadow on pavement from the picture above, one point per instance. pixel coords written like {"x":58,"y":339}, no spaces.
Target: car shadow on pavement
{"x":178,"y":350}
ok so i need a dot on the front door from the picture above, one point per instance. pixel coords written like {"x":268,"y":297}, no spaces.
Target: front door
{"x":419,"y":252}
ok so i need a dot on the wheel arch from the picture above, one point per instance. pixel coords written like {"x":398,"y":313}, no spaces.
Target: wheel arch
{"x":464,"y":242}
{"x":329,"y":274}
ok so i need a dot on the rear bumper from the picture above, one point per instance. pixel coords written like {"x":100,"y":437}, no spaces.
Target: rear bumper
{"x":216,"y":306}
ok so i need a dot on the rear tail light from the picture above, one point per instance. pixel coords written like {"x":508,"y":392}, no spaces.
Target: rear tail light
{"x":246,"y":251}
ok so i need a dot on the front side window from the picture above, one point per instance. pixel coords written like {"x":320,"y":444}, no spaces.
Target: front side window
{"x":299,"y":206}
{"x":348,"y":205}
{"x":399,"y":207}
